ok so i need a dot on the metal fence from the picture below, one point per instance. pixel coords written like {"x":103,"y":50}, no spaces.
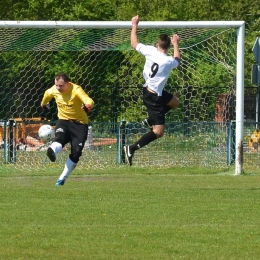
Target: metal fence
{"x":195,"y":144}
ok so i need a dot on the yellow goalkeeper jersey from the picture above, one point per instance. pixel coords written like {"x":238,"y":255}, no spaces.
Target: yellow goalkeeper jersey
{"x":69,"y":103}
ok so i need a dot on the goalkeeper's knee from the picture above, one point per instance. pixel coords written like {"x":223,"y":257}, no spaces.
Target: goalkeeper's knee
{"x":74,"y":156}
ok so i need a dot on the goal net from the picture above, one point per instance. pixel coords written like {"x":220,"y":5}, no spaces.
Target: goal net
{"x":98,"y":56}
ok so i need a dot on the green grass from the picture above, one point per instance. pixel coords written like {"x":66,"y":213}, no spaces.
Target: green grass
{"x":130,"y":213}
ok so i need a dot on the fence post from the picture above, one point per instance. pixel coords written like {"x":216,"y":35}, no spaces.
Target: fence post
{"x":5,"y":143}
{"x":90,"y":142}
{"x":118,"y":141}
{"x":228,"y":143}
{"x":123,"y":140}
{"x":12,"y":153}
{"x":233,"y":141}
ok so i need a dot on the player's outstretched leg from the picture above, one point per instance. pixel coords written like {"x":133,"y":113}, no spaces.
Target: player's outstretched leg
{"x":144,"y":140}
{"x":68,"y":168}
{"x":51,"y":154}
{"x":54,"y":149}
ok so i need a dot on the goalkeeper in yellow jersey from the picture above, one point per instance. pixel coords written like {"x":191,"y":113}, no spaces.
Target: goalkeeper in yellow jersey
{"x":72,"y":126}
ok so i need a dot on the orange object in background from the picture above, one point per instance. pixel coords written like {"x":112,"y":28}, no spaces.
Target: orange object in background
{"x":254,"y":141}
{"x":28,"y":127}
{"x":26,"y":131}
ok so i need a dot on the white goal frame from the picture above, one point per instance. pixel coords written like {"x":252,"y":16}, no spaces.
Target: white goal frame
{"x":240,"y":25}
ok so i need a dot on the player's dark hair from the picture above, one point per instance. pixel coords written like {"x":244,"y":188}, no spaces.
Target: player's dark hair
{"x":164,"y":41}
{"x":64,"y":76}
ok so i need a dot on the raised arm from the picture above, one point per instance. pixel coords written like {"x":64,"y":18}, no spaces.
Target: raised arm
{"x":134,"y":39}
{"x":46,"y":98}
{"x":176,"y":51}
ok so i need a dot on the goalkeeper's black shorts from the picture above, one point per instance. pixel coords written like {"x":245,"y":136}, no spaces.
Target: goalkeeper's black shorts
{"x":73,"y":132}
{"x":156,"y":105}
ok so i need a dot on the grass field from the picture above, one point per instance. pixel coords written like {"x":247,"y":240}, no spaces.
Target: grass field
{"x":130,"y":213}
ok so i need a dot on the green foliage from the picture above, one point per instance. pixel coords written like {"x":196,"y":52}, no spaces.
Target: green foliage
{"x":109,"y":75}
{"x":58,"y":10}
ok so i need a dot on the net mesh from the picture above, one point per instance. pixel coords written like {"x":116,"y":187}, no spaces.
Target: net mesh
{"x":110,"y":71}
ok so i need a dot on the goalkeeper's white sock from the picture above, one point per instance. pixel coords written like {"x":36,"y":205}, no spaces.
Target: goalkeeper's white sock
{"x":56,"y":147}
{"x":68,"y":168}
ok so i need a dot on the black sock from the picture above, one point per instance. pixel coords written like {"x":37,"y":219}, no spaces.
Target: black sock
{"x":144,"y":140}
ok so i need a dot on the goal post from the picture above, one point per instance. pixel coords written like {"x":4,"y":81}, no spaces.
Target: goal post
{"x":240,"y":99}
{"x":203,"y":43}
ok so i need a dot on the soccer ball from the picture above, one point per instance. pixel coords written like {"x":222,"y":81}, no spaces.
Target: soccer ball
{"x":46,"y":133}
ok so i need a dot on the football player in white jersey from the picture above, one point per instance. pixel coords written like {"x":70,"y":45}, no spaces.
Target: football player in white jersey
{"x":157,"y":68}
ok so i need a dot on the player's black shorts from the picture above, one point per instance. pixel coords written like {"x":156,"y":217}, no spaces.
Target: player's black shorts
{"x":155,"y":105}
{"x":72,"y":132}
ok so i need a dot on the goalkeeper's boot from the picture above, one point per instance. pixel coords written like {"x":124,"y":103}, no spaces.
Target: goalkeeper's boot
{"x":51,"y":154}
{"x":60,"y":183}
{"x":147,"y":124}
{"x":128,"y":154}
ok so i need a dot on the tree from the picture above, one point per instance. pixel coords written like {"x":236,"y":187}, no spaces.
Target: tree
{"x":71,"y":10}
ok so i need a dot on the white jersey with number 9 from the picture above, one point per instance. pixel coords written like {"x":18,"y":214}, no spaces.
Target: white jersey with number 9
{"x":157,"y":67}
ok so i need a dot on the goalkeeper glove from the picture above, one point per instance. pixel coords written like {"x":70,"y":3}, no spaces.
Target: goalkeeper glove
{"x":44,"y":110}
{"x":45,"y":107}
{"x":86,"y":108}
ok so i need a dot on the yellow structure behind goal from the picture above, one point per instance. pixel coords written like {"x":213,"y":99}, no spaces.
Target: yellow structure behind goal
{"x":254,"y":141}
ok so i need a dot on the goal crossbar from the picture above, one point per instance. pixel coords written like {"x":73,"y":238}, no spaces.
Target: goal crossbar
{"x":119,"y":24}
